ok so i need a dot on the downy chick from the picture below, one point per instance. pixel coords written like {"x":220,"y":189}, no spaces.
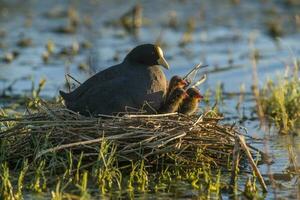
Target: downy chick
{"x":190,"y":104}
{"x":173,"y":102}
{"x":175,"y":82}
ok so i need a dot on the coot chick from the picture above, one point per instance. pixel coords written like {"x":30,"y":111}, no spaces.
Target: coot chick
{"x":175,"y":82}
{"x":174,"y":101}
{"x":189,"y":105}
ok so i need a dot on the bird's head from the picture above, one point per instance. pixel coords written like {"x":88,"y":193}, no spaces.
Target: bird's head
{"x":194,"y":93}
{"x":147,"y":54}
{"x":178,"y":95}
{"x":177,"y":81}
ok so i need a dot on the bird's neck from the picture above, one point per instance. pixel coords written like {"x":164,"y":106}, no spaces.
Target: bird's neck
{"x":193,"y":101}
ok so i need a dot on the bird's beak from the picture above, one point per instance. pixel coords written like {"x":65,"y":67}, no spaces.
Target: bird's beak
{"x":184,"y":83}
{"x":185,"y":95}
{"x":199,"y":96}
{"x":162,"y":61}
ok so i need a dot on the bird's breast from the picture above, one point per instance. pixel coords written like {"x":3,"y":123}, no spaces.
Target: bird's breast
{"x":157,"y":80}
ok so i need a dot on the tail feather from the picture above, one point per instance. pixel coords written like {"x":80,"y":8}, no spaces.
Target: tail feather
{"x":66,"y":98}
{"x":64,"y":95}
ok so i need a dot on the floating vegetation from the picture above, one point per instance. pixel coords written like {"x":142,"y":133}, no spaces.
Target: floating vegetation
{"x":83,"y":66}
{"x":24,"y":42}
{"x":72,"y":22}
{"x":188,"y":34}
{"x":275,"y":28}
{"x":132,"y":20}
{"x":50,"y":46}
{"x":45,"y":56}
{"x":56,"y":12}
{"x":173,"y":21}
{"x":70,"y":50}
{"x":10,"y":56}
{"x":68,"y":29}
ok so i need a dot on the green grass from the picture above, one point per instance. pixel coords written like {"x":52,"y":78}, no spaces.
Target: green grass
{"x":106,"y":178}
{"x":80,"y":178}
{"x":280,"y":101}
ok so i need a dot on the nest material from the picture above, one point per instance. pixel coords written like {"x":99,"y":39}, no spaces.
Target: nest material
{"x":192,"y":140}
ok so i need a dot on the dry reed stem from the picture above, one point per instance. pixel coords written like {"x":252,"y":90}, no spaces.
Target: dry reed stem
{"x":252,"y":163}
{"x":235,"y":162}
{"x":151,"y":137}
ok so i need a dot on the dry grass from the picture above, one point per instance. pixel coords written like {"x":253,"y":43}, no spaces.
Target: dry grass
{"x":190,"y":140}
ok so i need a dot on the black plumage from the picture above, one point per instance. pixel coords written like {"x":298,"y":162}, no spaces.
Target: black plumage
{"x":174,"y":101}
{"x":175,"y":82}
{"x":132,"y":83}
{"x":190,"y":104}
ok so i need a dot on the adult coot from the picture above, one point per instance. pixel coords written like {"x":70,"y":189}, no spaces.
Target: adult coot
{"x":137,"y":81}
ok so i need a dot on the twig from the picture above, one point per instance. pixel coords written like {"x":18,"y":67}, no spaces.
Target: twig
{"x":235,"y":162}
{"x":200,"y":118}
{"x":156,"y":115}
{"x":200,"y":81}
{"x":173,"y":137}
{"x":57,"y":148}
{"x":252,"y":163}
{"x":74,"y":79}
{"x":197,"y":67}
{"x":68,"y":83}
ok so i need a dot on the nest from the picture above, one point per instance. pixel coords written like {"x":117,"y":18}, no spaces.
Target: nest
{"x":191,"y":140}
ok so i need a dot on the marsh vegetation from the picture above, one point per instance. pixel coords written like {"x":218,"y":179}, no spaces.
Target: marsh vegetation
{"x":252,"y":90}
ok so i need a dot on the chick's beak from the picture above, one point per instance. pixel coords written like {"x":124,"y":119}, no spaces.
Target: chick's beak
{"x":183,"y":83}
{"x":185,"y":95}
{"x":162,"y":61}
{"x":199,"y":96}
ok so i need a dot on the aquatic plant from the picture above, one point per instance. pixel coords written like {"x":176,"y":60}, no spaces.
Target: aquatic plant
{"x":70,"y":155}
{"x":280,"y":101}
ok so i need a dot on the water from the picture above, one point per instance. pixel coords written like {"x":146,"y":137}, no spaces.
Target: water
{"x":224,"y":36}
